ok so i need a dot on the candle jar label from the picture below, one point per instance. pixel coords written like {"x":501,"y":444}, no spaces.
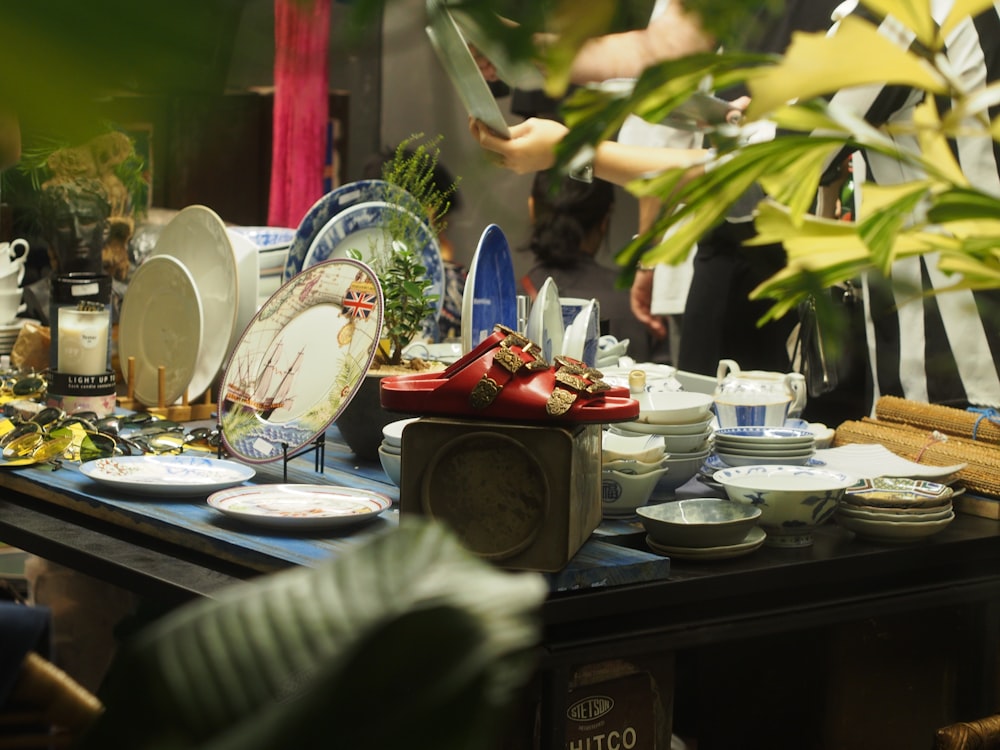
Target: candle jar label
{"x":83,"y":342}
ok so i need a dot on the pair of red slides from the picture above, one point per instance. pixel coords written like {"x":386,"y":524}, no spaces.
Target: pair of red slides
{"x":505,"y":378}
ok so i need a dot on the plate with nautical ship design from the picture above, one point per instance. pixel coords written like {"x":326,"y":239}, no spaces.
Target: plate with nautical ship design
{"x":300,"y":506}
{"x":300,"y":360}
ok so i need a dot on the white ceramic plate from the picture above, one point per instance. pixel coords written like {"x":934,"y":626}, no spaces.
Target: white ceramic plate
{"x":714,"y":463}
{"x":545,"y":323}
{"x":300,"y":506}
{"x":286,"y":383}
{"x":866,"y":461}
{"x":490,"y":295}
{"x":453,"y":52}
{"x":753,"y":541}
{"x":197,"y":237}
{"x":267,"y":238}
{"x":580,"y":339}
{"x":248,"y":281}
{"x":363,"y":227}
{"x":790,"y":460}
{"x":760,"y":436}
{"x":331,"y":204}
{"x":160,"y":323}
{"x":167,"y":476}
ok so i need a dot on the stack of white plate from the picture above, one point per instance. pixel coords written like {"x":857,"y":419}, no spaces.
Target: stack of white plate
{"x":631,"y":466}
{"x":750,"y":446}
{"x":9,"y":333}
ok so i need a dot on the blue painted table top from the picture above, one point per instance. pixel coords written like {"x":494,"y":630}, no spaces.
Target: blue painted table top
{"x":191,"y":523}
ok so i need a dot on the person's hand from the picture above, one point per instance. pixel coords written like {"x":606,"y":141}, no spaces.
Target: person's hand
{"x":641,"y":299}
{"x":530,"y":148}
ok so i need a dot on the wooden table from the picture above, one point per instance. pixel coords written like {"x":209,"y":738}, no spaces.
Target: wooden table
{"x":616,"y":600}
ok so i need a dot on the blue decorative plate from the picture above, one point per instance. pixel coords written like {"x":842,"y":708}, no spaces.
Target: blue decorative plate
{"x":331,"y":204}
{"x":764,"y":434}
{"x":363,"y":228}
{"x":490,"y":291}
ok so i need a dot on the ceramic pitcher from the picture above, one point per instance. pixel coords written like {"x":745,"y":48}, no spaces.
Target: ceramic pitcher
{"x":12,"y":259}
{"x":757,"y":397}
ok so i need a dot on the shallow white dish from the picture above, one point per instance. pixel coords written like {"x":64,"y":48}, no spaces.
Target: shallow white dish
{"x":545,"y":323}
{"x":285,"y":384}
{"x":714,"y":463}
{"x":166,"y":476}
{"x":332,"y":204}
{"x":160,"y":323}
{"x":490,"y":295}
{"x":673,"y":408}
{"x":754,"y":539}
{"x":737,"y":460}
{"x":300,"y":506}
{"x":266,"y":238}
{"x":865,"y":461}
{"x":197,"y":237}
{"x":698,"y":522}
{"x":635,"y":447}
{"x":364,"y":227}
{"x":892,"y":531}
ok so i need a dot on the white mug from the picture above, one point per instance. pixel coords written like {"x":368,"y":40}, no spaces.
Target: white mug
{"x":12,"y":261}
{"x":10,"y":305}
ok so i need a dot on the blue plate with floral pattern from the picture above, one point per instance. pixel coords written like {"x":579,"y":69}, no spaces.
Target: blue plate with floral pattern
{"x":365,"y":228}
{"x":331,"y":204}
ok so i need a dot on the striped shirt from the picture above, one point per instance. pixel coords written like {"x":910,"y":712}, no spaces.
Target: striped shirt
{"x":943,"y":348}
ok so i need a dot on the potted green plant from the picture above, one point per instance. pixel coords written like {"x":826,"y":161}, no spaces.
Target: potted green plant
{"x":408,"y":303}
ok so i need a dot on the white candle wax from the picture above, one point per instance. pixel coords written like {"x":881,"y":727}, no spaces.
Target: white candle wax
{"x":83,"y":342}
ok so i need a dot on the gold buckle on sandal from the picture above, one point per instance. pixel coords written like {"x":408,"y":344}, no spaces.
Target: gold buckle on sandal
{"x":507,"y":360}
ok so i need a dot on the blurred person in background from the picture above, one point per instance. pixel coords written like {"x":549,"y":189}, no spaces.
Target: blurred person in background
{"x":569,"y":223}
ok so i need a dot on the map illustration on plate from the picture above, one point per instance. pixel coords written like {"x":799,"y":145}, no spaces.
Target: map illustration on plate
{"x":301,"y":360}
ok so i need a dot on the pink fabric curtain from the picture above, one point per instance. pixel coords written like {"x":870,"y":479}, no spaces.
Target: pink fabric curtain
{"x":301,"y":103}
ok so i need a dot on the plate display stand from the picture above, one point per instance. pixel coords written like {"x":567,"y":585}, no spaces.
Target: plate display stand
{"x":182,"y":412}
{"x":317,"y":447}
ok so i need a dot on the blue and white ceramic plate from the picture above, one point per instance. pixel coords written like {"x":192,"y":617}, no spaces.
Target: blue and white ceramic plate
{"x":285,"y":384}
{"x":167,"y":476}
{"x":580,"y":339}
{"x":364,"y":228}
{"x":713,"y":464}
{"x":490,"y":295}
{"x":331,"y":204}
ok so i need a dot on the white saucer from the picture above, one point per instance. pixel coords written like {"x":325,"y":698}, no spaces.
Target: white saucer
{"x":754,"y":539}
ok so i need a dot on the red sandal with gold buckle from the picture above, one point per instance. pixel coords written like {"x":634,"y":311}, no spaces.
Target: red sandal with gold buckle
{"x":505,"y":378}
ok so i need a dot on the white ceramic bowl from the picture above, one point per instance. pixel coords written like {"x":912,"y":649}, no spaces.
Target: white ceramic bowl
{"x":698,"y":522}
{"x":892,"y":531}
{"x":622,"y":493}
{"x":391,"y":464}
{"x":794,"y":500}
{"x":615,"y":445}
{"x":674,"y":407}
{"x":392,"y":433}
{"x":682,"y":466}
{"x":643,"y":428}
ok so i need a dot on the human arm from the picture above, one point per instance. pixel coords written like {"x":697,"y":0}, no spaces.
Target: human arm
{"x":531,"y":148}
{"x":674,"y":33}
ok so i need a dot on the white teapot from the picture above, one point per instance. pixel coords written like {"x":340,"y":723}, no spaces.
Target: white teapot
{"x":757,"y":397}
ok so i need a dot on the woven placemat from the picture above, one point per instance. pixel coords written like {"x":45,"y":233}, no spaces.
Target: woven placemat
{"x":981,"y":475}
{"x":946,"y":419}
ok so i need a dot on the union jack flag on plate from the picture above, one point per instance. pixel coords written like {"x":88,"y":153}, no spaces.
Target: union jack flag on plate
{"x":358,"y":304}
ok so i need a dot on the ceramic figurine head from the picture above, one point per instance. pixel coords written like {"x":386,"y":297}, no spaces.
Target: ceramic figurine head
{"x":75,"y":221}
